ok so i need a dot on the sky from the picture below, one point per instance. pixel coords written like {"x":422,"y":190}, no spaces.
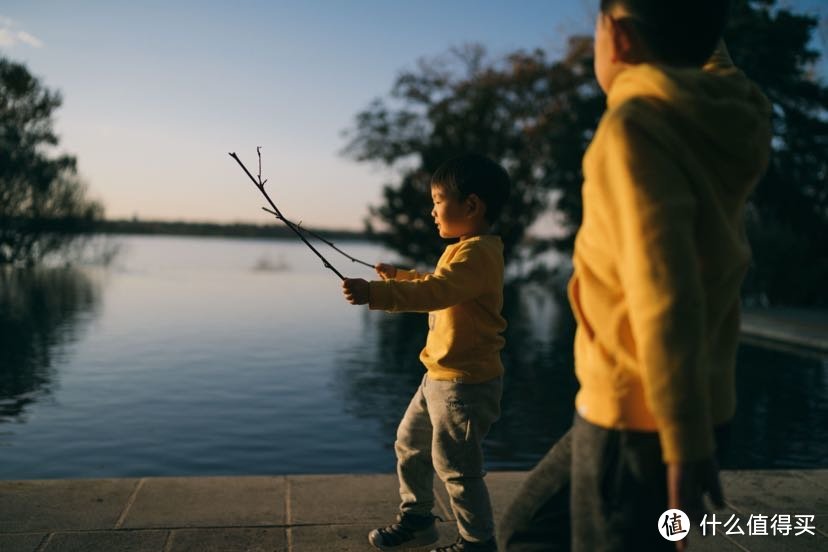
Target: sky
{"x":155,"y":94}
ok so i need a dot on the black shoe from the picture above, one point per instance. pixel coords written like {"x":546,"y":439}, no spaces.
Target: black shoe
{"x":462,"y":545}
{"x":410,"y":531}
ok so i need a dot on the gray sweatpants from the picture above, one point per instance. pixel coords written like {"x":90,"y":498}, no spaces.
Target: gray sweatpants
{"x":442,"y":431}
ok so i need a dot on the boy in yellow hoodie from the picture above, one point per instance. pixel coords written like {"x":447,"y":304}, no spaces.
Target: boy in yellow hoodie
{"x":459,"y":397}
{"x":658,"y":263}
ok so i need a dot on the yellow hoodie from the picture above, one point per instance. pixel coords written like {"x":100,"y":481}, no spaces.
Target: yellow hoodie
{"x":661,"y":253}
{"x":464,"y":297}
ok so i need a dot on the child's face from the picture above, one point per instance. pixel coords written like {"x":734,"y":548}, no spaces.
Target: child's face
{"x":450,"y":214}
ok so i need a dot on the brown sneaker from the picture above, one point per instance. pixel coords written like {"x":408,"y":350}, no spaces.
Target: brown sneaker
{"x":410,"y":531}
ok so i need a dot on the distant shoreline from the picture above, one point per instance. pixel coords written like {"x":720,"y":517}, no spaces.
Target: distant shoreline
{"x":237,"y":230}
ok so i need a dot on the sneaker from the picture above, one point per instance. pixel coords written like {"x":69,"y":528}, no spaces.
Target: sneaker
{"x":410,"y":531}
{"x":462,"y":545}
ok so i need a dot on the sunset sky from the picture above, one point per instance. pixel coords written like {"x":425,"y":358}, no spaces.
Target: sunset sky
{"x":156,"y":93}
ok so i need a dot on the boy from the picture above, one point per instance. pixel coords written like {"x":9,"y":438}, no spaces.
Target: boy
{"x":658,"y":262}
{"x":459,"y":397}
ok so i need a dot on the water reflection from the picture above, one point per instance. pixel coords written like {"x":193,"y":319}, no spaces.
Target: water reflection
{"x":782,"y":411}
{"x":41,"y":311}
{"x":539,"y":386}
{"x":781,"y":421}
{"x":378,"y":381}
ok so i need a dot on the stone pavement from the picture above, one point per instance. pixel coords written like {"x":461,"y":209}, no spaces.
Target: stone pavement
{"x":325,"y":513}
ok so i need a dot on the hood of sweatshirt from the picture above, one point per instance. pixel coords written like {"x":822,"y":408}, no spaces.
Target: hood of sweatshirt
{"x":725,"y":115}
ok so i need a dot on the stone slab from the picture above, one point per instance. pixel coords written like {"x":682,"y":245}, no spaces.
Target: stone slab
{"x":250,"y":539}
{"x":336,"y":499}
{"x":333,"y":512}
{"x":64,"y":504}
{"x":712,"y":544}
{"x":180,"y":502}
{"x":350,"y":538}
{"x":816,"y":477}
{"x":788,"y":543}
{"x":21,"y":542}
{"x":110,"y":541}
{"x":773,"y":491}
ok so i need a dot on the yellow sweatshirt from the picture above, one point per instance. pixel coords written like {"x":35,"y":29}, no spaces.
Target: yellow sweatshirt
{"x":661,"y":254}
{"x":464,"y":297}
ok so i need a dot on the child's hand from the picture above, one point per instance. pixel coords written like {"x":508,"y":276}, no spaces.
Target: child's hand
{"x":386,"y":271}
{"x":356,"y":290}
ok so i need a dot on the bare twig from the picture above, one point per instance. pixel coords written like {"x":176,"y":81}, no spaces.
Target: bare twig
{"x":320,"y":238}
{"x":260,"y":185}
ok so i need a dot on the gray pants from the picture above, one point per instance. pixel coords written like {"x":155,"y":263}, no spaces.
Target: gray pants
{"x":442,"y":431}
{"x":597,"y":489}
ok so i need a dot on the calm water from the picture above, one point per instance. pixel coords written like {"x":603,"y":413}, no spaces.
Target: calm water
{"x":184,"y":358}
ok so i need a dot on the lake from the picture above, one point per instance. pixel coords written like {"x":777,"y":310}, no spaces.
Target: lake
{"x":206,"y":356}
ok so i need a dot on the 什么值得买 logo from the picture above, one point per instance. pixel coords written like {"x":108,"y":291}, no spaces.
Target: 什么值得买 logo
{"x":673,"y":525}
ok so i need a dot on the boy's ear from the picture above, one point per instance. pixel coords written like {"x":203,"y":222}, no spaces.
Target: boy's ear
{"x":627,"y":47}
{"x":474,"y":205}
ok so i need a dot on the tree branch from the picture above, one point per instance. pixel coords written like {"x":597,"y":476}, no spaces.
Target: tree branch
{"x":260,"y":185}
{"x":318,"y":237}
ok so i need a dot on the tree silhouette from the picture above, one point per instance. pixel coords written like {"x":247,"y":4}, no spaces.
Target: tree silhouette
{"x":532,"y":115}
{"x":537,"y":116}
{"x":43,"y":205}
{"x":788,"y":220}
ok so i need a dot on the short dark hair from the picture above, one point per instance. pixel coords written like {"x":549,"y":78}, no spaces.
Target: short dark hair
{"x":677,"y":32}
{"x":472,"y":173}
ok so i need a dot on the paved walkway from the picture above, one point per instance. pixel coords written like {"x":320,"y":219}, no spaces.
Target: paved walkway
{"x":325,"y":513}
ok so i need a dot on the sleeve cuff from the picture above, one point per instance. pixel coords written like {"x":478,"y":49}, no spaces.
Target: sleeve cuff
{"x":379,"y":295}
{"x":406,"y":275}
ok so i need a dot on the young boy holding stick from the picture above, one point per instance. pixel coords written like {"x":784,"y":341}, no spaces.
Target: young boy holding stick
{"x":459,"y":396}
{"x":658,"y":262}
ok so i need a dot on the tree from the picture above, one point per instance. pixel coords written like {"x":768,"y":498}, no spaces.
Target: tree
{"x":537,"y":117}
{"x":43,"y":204}
{"x":532,"y":115}
{"x":788,"y":216}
